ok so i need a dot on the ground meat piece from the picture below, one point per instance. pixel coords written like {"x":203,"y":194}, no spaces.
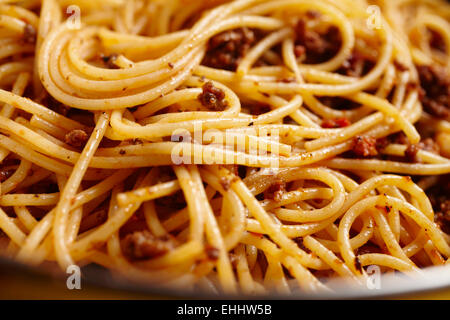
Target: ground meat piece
{"x":357,"y":65}
{"x":318,"y":47}
{"x":429,"y":145}
{"x":275,"y":191}
{"x":299,"y":50}
{"x":364,"y":146}
{"x":411,"y":152}
{"x":213,"y":98}
{"x":29,"y":34}
{"x":226,"y":49}
{"x":442,"y":217}
{"x":435,"y":84}
{"x":336,"y":123}
{"x":144,"y":245}
{"x":435,"y":108}
{"x":382,"y":143}
{"x":399,"y":138}
{"x":445,"y":208}
{"x":76,"y":138}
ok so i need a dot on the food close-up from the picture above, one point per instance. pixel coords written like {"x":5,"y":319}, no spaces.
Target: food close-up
{"x":226,"y":148}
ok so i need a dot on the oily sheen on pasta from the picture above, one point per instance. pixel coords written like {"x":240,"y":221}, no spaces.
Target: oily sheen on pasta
{"x":248,"y":146}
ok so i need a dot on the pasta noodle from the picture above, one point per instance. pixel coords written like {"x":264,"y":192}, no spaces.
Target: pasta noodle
{"x":244,"y":146}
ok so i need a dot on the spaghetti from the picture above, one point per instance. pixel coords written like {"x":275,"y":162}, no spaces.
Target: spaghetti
{"x":247,"y":146}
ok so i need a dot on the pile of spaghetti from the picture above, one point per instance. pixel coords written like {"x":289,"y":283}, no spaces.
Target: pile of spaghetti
{"x":249,"y":146}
